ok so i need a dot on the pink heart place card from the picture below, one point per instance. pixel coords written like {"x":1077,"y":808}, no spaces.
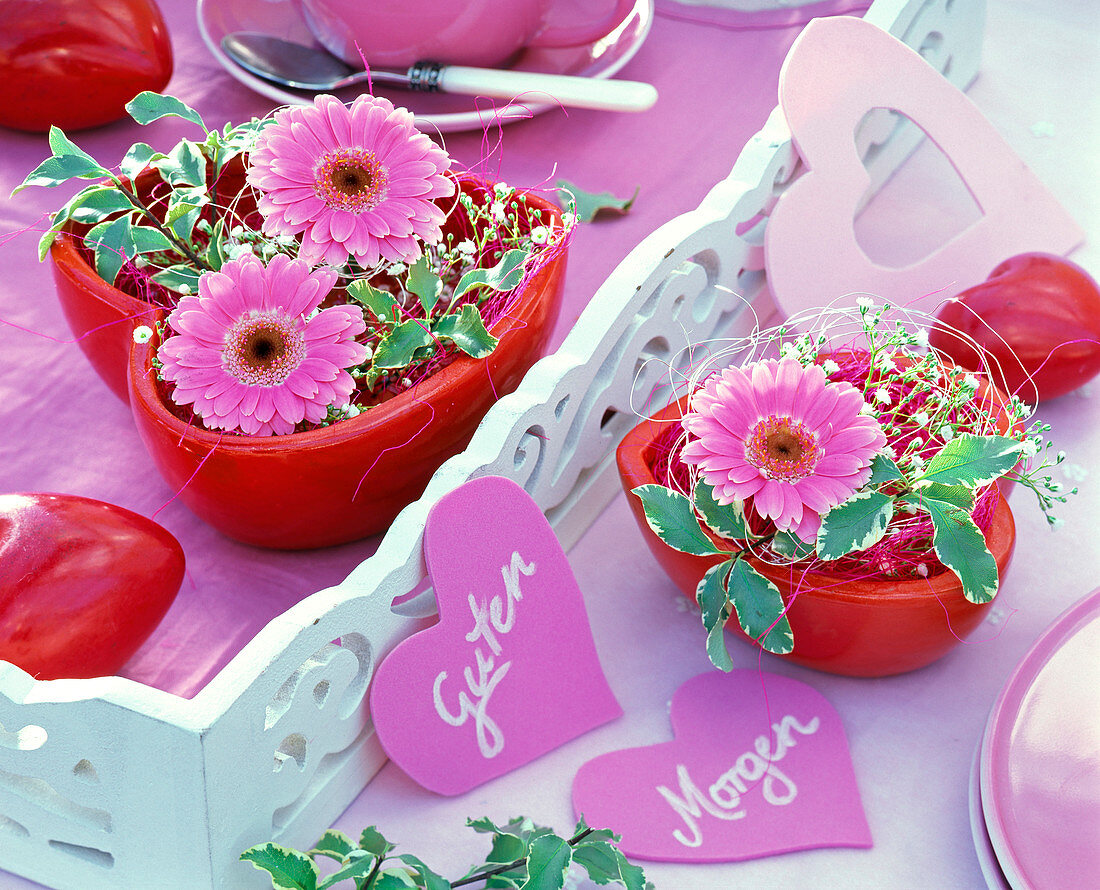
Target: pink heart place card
{"x":510,"y":670}
{"x":759,"y":765}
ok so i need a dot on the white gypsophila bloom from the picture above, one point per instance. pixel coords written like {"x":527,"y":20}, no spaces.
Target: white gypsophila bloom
{"x":466,"y":248}
{"x":497,"y":211}
{"x":1031,"y":446}
{"x":921,"y":337}
{"x":502,"y":190}
{"x":789,"y":350}
{"x":568,"y":219}
{"x":866,"y":304}
{"x":829,"y":367}
{"x":947,"y":432}
{"x":970,"y":381}
{"x":143,"y":333}
{"x":882,"y":394}
{"x":184,"y":289}
{"x":921,"y":418}
{"x":540,"y":235}
{"x":396,"y":269}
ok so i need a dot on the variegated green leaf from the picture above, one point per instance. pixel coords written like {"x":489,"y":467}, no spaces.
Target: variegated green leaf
{"x":883,"y":469}
{"x":957,"y":495}
{"x":112,"y":245}
{"x":467,"y":331}
{"x":547,"y":862}
{"x":184,"y":165}
{"x":424,"y":283}
{"x":181,"y":278}
{"x":791,"y":546}
{"x":727,"y":521}
{"x":148,"y":106}
{"x":56,"y":170}
{"x":288,"y":869}
{"x":138,"y":158}
{"x":333,"y":844}
{"x":713,"y":598}
{"x":429,"y":880}
{"x":672,"y":518}
{"x":357,"y":864}
{"x":971,"y":460}
{"x":854,"y":525}
{"x":759,"y":608}
{"x":398,"y":348}
{"x":588,"y":205}
{"x":504,"y":276}
{"x":961,"y":547}
{"x":381,"y":303}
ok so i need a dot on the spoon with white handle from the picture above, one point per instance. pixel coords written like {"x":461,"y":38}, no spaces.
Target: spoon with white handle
{"x":309,"y":68}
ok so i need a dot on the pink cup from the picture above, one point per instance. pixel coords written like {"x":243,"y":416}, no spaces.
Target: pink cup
{"x":483,"y":33}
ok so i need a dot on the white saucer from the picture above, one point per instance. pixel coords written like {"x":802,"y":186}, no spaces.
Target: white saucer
{"x":434,"y":111}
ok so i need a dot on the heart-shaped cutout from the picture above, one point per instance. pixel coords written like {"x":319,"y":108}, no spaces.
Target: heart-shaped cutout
{"x":838,"y":70}
{"x":759,"y":765}
{"x":510,"y":671}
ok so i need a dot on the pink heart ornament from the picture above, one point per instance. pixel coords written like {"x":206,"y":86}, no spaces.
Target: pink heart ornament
{"x":510,"y":671}
{"x":839,"y":69}
{"x":759,"y":765}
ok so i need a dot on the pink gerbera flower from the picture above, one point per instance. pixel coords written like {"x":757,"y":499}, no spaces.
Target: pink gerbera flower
{"x":779,"y":433}
{"x":249,"y":355}
{"x":356,"y":181}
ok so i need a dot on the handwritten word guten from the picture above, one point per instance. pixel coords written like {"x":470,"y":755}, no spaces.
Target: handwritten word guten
{"x":493,"y":619}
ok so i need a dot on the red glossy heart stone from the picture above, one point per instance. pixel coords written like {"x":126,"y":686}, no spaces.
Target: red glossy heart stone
{"x":1037,"y":318}
{"x":82,"y":583}
{"x":76,"y":63}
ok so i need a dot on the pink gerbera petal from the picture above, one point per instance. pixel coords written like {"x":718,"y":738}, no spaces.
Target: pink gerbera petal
{"x":326,"y":170}
{"x":779,"y":433}
{"x":249,"y":353}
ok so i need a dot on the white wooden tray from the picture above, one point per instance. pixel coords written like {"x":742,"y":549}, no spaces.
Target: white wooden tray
{"x":108,"y":783}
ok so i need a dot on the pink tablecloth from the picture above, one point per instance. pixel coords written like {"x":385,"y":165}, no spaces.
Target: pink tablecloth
{"x":912,"y":737}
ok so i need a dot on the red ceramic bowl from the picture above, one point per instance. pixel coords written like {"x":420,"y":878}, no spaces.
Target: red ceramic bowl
{"x":859,"y":628}
{"x":349,"y":480}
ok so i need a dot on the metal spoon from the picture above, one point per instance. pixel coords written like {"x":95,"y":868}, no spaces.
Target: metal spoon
{"x":309,"y":68}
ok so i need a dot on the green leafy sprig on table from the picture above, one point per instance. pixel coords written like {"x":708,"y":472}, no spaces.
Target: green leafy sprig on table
{"x":944,"y":486}
{"x":588,"y":205}
{"x":522,"y":856}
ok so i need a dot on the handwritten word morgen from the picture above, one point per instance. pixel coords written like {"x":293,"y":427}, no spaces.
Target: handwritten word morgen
{"x":723,"y":797}
{"x":492,"y":619}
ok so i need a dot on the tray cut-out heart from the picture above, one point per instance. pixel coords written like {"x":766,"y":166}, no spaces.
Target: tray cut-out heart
{"x":759,"y":765}
{"x":838,"y":70}
{"x":510,"y":671}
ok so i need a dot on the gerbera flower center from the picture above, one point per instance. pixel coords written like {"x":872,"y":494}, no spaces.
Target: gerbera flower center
{"x":350,"y":179}
{"x":262,"y":349}
{"x":782,"y":448}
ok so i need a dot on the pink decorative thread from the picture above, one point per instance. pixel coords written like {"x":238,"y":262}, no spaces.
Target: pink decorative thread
{"x":180,"y":491}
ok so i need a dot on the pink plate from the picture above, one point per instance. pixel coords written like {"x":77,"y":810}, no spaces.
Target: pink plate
{"x":434,"y":111}
{"x":1040,"y":767}
{"x":987,"y":857}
